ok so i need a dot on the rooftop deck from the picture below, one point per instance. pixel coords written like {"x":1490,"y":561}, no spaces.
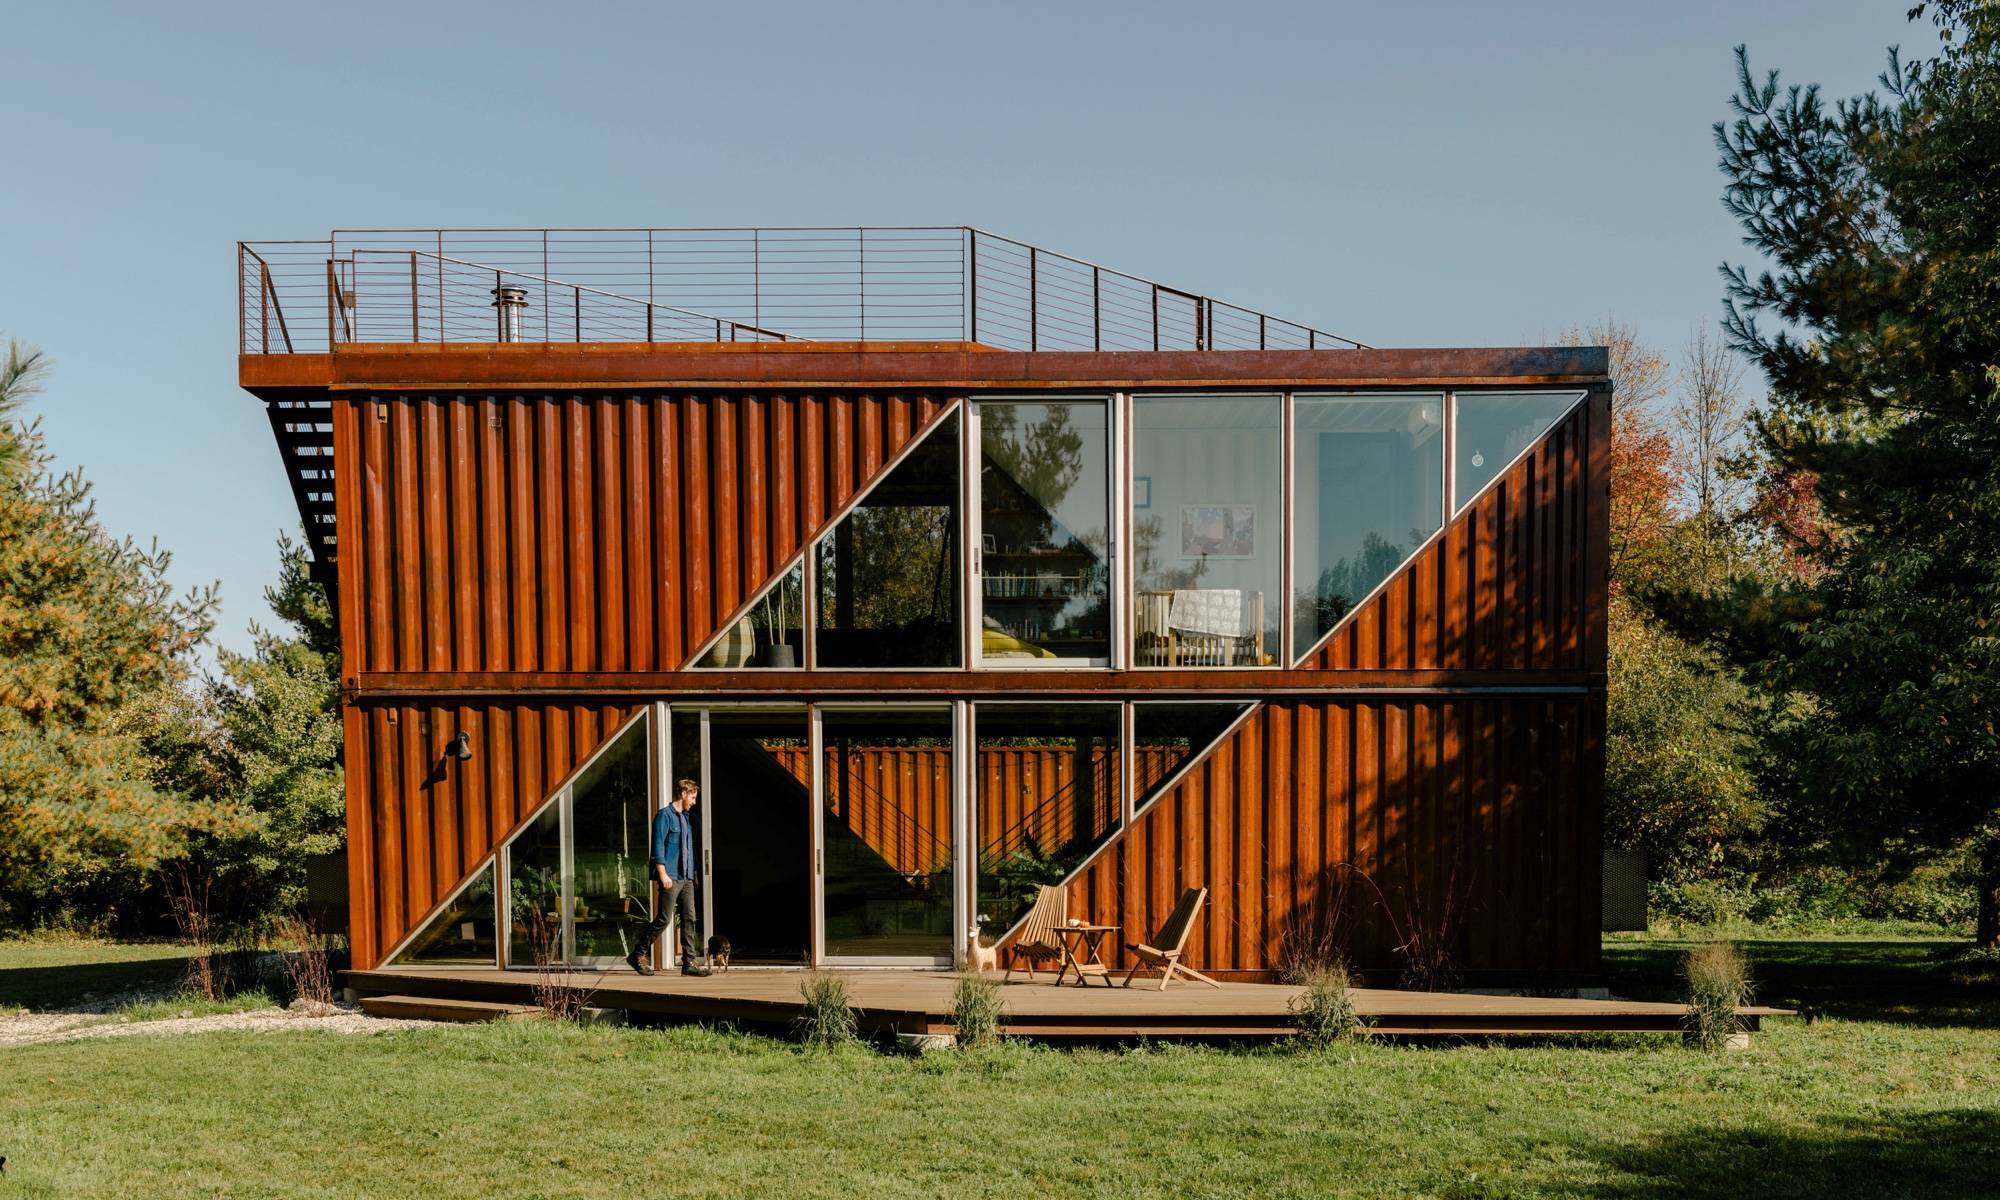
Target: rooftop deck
{"x":920,"y":1002}
{"x":879,"y":284}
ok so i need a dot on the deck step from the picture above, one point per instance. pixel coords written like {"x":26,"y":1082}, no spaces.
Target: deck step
{"x":427,"y":1008}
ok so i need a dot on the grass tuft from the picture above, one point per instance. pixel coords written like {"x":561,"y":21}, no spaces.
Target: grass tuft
{"x":1718,"y":982}
{"x":976,"y":1010}
{"x":828,"y":1021}
{"x":1323,"y":1011}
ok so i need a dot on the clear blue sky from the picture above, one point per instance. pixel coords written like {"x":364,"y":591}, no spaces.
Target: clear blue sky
{"x":1436,"y":174}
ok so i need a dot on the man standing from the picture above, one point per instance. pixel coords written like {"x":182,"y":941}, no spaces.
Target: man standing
{"x":673,"y":882}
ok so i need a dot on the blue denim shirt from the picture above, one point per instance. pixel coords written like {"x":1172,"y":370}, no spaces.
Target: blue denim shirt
{"x":673,"y":843}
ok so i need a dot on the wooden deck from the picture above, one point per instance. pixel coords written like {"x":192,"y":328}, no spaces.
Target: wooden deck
{"x":920,"y":1002}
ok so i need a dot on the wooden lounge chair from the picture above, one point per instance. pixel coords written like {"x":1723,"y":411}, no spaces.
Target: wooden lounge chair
{"x":1038,"y":940}
{"x":1163,"y":954}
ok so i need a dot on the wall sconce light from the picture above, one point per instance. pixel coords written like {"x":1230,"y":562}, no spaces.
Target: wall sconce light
{"x":459,"y":748}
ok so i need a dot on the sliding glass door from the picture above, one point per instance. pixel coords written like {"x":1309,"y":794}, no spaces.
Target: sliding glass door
{"x":888,"y":790}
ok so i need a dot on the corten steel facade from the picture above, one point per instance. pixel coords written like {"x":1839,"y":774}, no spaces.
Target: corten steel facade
{"x":540,"y":544}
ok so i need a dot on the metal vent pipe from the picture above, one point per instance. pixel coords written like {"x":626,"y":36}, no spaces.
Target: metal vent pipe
{"x":510,"y":300}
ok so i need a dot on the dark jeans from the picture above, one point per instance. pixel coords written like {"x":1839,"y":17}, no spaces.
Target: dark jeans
{"x":679,"y":897}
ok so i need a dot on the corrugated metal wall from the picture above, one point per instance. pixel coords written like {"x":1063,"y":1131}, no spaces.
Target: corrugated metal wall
{"x":1368,"y":821}
{"x":584,"y":533}
{"x":418,"y":823}
{"x":554,"y":533}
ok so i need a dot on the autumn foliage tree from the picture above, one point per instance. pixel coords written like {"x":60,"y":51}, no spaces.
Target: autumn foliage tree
{"x":1677,"y":786}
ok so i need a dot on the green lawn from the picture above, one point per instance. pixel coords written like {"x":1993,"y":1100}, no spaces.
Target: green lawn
{"x":54,"y":974}
{"x":1868,"y":1101}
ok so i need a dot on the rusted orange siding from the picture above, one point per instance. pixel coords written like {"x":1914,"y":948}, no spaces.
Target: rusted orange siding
{"x":1364,"y":823}
{"x":584,"y":533}
{"x":417,"y":823}
{"x":526,"y":535}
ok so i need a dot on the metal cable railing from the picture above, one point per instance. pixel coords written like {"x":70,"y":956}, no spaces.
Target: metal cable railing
{"x":904,"y":283}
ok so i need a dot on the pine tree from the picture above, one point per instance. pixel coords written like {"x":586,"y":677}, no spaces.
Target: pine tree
{"x":92,"y":640}
{"x":280,"y":708}
{"x":1880,"y":662}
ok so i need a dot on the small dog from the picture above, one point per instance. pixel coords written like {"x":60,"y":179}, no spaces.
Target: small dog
{"x":982,"y":958}
{"x":718,"y":953}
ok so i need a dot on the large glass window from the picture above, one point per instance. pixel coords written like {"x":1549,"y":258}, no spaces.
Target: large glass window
{"x":1368,"y":487}
{"x":1493,"y":428}
{"x":534,"y":891}
{"x":1046,"y":792}
{"x":611,"y":811}
{"x":1207,"y":530}
{"x":1044,"y":531}
{"x":886,"y":833}
{"x":462,"y":932}
{"x":888,"y":574}
{"x":577,"y":887}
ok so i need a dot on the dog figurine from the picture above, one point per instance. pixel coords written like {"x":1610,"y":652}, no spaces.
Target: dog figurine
{"x":982,"y":958}
{"x":718,"y":953}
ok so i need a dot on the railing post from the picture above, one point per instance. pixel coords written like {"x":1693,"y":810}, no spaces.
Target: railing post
{"x":500,"y":314}
{"x":1260,"y":331}
{"x":576,"y":309}
{"x":1034,"y":313}
{"x":1200,"y":326}
{"x":1156,"y":316}
{"x":861,"y":262}
{"x":242,"y":306}
{"x":1096,"y":312}
{"x":416,"y":332}
{"x":972,"y":309}
{"x":649,"y":311}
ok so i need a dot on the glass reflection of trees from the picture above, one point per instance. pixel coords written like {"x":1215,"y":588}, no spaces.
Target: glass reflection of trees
{"x":887,"y":576}
{"x":1368,"y":483}
{"x":1044,"y":519}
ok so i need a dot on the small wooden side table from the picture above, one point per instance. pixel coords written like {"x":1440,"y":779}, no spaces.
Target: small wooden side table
{"x":1081,"y":945}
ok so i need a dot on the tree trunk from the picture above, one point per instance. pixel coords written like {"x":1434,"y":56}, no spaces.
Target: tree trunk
{"x":1988,"y":883}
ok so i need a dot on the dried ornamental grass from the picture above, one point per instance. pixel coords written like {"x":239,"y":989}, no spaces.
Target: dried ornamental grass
{"x":1718,"y":983}
{"x":828,"y":1020}
{"x":1323,"y":1011}
{"x":975,"y":1010}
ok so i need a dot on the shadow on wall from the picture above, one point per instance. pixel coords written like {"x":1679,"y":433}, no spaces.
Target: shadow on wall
{"x":1938,"y":1155}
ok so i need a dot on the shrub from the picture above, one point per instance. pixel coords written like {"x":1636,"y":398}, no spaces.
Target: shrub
{"x":827,"y":1021}
{"x":1699,"y":902}
{"x":1323,"y":1010}
{"x":975,"y":1010}
{"x":1718,"y":982}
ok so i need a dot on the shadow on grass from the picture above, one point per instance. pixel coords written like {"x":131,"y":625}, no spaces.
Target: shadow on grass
{"x":76,"y":985}
{"x":1937,"y":1155}
{"x":1934,"y":983}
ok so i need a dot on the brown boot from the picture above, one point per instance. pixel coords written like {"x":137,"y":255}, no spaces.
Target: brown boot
{"x":638,"y":964}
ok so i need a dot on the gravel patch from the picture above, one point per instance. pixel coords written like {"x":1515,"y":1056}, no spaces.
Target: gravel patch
{"x":26,"y":1028}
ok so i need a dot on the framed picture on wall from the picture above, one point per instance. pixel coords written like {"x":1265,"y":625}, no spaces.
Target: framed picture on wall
{"x":1142,"y":491}
{"x":1218,"y":531}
